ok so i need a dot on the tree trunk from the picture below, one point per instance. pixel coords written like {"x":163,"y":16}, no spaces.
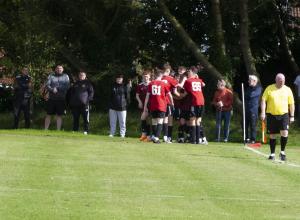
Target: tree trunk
{"x":217,"y":51}
{"x":218,"y":29}
{"x":284,"y":41}
{"x":244,"y":39}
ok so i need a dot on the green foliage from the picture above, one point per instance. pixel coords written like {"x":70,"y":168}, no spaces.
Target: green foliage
{"x":103,"y":37}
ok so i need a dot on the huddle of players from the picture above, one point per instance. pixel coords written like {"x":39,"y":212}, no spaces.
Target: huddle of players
{"x":165,"y":98}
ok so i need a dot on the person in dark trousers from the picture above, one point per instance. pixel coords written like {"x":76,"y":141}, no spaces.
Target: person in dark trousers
{"x":22,"y":96}
{"x":223,"y":100}
{"x":278,"y":107}
{"x":252,"y":96}
{"x":297,"y":103}
{"x":81,"y":94}
{"x":57,"y":85}
{"x":118,"y":106}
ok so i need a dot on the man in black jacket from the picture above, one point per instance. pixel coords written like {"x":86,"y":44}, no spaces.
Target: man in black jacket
{"x":81,"y":94}
{"x":118,"y":106}
{"x":22,"y":95}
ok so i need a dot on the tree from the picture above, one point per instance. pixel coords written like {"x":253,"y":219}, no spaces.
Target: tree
{"x":284,"y":40}
{"x":189,"y":41}
{"x":210,"y":69}
{"x":217,"y":50}
{"x":244,"y":39}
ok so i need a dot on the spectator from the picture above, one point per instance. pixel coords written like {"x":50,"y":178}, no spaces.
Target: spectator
{"x":223,"y":99}
{"x":57,"y":84}
{"x":252,"y":96}
{"x":22,"y":96}
{"x":276,"y":104}
{"x":297,"y":85}
{"x":118,"y":106}
{"x":81,"y":94}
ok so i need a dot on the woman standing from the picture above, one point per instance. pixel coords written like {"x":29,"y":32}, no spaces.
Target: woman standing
{"x":223,"y":100}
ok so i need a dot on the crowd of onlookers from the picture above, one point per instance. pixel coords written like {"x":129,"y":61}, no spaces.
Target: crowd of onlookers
{"x":163,"y":97}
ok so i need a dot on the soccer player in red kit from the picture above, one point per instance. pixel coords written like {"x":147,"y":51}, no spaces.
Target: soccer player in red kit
{"x":184,"y":109}
{"x":193,"y":86}
{"x":141,"y":92}
{"x":157,"y":94}
{"x":172,"y":83}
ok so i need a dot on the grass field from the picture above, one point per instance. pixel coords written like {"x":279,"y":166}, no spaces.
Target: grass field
{"x":60,"y":175}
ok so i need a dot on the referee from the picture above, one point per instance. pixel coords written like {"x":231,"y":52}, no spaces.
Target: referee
{"x":278,"y":104}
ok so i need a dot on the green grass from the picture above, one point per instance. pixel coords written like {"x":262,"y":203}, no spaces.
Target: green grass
{"x":60,"y":175}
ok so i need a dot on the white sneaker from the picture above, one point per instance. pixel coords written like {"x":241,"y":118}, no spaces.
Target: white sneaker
{"x":204,"y":141}
{"x":122,"y":136}
{"x":110,"y":136}
{"x":165,"y":138}
{"x":85,"y":133}
{"x":169,"y":140}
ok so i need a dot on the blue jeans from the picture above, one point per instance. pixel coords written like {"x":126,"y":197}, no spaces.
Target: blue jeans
{"x":222,"y":116}
{"x":251,"y":122}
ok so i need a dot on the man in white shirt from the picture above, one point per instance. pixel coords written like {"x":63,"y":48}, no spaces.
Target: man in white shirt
{"x":297,"y":86}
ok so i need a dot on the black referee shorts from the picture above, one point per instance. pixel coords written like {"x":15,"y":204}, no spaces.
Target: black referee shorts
{"x":277,"y":123}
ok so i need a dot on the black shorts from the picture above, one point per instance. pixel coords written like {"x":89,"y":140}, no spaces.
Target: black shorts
{"x":185,"y":114}
{"x":56,"y":107}
{"x":196,"y":111}
{"x":277,"y":123}
{"x":169,"y":111}
{"x":176,"y":114}
{"x":158,"y":114}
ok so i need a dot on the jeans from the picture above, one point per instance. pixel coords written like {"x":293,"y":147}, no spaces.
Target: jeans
{"x":121,"y":117}
{"x":222,"y":116}
{"x":251,"y":122}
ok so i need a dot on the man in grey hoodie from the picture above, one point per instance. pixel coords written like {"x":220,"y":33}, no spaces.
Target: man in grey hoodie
{"x":57,"y":84}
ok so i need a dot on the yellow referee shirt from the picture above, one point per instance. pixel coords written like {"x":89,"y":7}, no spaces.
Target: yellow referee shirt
{"x":278,"y":100}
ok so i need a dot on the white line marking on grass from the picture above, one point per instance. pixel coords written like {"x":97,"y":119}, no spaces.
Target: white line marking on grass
{"x":166,"y":196}
{"x":246,"y":199}
{"x":276,"y":160}
{"x":162,"y":196}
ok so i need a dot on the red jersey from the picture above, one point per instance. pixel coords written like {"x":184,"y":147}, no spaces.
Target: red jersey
{"x":142,"y":90}
{"x":158,"y":91}
{"x":171,"y":84}
{"x":193,"y":86}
